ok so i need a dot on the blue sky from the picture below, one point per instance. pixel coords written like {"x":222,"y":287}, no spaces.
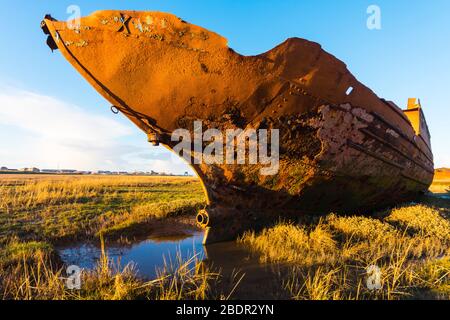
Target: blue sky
{"x":408,"y":57}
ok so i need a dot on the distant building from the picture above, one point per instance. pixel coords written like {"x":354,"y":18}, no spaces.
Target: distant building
{"x":53,"y":171}
{"x":104,"y":172}
{"x":83,"y":172}
{"x":69,"y":171}
{"x":30,"y":170}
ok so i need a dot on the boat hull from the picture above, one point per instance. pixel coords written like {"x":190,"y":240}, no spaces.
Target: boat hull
{"x":342,"y":148}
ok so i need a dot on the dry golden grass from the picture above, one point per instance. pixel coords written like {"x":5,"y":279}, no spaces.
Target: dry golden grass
{"x":422,"y":220}
{"x":441,"y":181}
{"x":30,"y":193}
{"x":329,"y":260}
{"x":30,"y":275}
{"x":326,"y":259}
{"x":67,"y":208}
{"x":38,"y":211}
{"x":291,"y":243}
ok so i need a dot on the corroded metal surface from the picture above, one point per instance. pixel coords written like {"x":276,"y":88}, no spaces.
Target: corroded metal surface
{"x":342,"y":148}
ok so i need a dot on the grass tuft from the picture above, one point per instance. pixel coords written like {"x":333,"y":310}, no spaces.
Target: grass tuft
{"x":331,"y":259}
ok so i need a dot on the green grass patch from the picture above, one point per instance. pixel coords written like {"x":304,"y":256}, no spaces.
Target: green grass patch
{"x":61,"y":209}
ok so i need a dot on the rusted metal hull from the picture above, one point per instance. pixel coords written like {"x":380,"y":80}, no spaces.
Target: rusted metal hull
{"x":340,"y":151}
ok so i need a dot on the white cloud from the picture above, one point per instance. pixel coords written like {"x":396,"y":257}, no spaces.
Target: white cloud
{"x":442,"y":160}
{"x":55,"y":120}
{"x":38,"y":130}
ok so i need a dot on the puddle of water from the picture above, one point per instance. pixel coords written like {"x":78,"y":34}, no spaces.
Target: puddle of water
{"x":238,"y":266}
{"x":445,"y":196}
{"x":231,"y":260}
{"x":147,"y":256}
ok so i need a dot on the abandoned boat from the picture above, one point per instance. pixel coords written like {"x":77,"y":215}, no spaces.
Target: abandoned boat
{"x":341,"y":147}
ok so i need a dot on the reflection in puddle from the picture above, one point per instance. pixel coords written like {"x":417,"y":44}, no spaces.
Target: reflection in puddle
{"x":147,"y":256}
{"x":260,"y":281}
{"x":232,"y":261}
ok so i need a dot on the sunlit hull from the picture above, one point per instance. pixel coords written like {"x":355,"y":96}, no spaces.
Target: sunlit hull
{"x":340,"y":151}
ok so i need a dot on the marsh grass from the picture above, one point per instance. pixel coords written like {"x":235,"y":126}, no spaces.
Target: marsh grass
{"x":326,"y":259}
{"x":30,"y":275}
{"x":37,"y":212}
{"x":330,"y":259}
{"x":441,"y":181}
{"x":67,"y":208}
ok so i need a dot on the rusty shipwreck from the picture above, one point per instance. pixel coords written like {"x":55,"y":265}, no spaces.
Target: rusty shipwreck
{"x":342,"y":148}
